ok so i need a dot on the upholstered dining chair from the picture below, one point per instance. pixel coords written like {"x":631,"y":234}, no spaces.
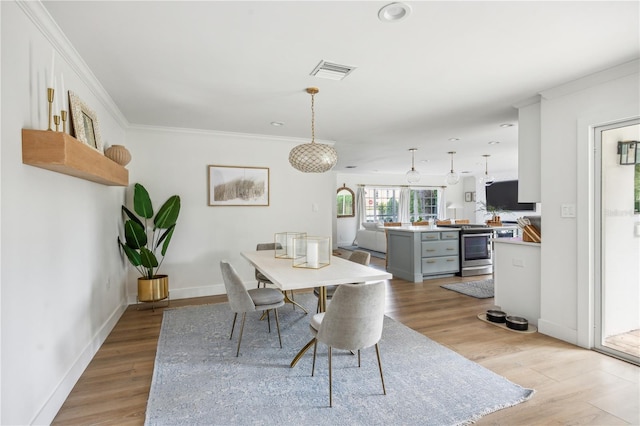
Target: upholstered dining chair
{"x":242,"y":300}
{"x":353,"y":321}
{"x":262,"y":279}
{"x":357,"y":256}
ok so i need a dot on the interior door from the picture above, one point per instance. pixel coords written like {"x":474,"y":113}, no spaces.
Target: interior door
{"x":617,"y":242}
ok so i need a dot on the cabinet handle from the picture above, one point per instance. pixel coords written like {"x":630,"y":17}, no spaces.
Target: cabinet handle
{"x":449,"y":248}
{"x":431,"y":250}
{"x":431,"y":261}
{"x":451,"y":260}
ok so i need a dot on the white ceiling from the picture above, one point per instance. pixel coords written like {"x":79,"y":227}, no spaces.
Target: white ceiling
{"x":449,"y":70}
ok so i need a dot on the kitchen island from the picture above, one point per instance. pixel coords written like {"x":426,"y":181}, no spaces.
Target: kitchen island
{"x":416,"y":253}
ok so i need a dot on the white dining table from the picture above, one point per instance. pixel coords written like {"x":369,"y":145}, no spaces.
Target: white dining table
{"x":284,"y":276}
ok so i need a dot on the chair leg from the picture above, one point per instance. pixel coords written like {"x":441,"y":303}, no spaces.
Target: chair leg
{"x":269,"y":320}
{"x":358,"y":357}
{"x":244,"y":316}
{"x":278,"y":327}
{"x":384,"y":390}
{"x":330,"y":383}
{"x":313,"y":365}
{"x":233,"y":324}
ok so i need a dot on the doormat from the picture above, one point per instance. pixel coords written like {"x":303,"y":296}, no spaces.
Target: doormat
{"x":478,"y":289}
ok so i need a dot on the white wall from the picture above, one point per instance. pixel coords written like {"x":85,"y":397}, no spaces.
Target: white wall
{"x":62,"y":279}
{"x":174,"y":161}
{"x":568,"y":116}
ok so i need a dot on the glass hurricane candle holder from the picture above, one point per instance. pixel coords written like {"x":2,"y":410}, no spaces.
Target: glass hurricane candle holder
{"x":284,"y":243}
{"x":311,"y":252}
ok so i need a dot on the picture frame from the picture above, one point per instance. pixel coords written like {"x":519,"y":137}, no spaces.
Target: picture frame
{"x":467,"y":197}
{"x":84,"y":123}
{"x":237,"y":186}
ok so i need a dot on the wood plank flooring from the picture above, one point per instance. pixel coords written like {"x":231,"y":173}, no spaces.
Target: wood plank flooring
{"x":573,"y":385}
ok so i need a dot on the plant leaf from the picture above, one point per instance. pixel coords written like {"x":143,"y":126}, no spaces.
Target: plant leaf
{"x":132,"y":255}
{"x":167,"y":239}
{"x":135,"y":234}
{"x":168,"y":213}
{"x":148,"y":258}
{"x":142,"y":202}
{"x":132,"y":216}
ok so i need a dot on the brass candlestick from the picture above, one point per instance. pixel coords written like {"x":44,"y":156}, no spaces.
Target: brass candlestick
{"x":63,"y":115}
{"x":50,"y":93}
{"x":56,"y":120}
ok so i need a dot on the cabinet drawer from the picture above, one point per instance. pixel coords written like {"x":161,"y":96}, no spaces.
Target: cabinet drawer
{"x":449,"y":235}
{"x":430,"y":236}
{"x":440,"y":265}
{"x":439,"y":248}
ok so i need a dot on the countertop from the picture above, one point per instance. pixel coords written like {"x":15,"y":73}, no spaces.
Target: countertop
{"x":516,"y":240}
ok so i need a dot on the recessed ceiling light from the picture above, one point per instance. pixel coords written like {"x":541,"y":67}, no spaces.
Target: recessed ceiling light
{"x":494,"y":142}
{"x":277,"y":123}
{"x":331,"y":70}
{"x":453,"y":139}
{"x":394,"y":12}
{"x":506,"y":125}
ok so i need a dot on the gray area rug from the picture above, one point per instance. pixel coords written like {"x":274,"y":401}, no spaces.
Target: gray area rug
{"x":374,"y":253}
{"x":197,"y":379}
{"x":478,"y":289}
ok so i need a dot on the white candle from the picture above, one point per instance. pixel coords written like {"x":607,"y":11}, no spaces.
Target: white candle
{"x":53,"y":59}
{"x":62,"y":94}
{"x":56,"y":98}
{"x":312,"y":253}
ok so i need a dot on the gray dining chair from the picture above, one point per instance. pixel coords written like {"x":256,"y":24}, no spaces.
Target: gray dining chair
{"x":262,"y":279}
{"x":357,"y":256}
{"x":353,"y":321}
{"x":242,"y":300}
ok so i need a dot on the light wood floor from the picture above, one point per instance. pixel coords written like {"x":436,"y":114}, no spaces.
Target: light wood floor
{"x":573,"y":385}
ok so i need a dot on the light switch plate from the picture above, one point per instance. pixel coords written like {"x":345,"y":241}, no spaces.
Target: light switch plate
{"x":568,"y":210}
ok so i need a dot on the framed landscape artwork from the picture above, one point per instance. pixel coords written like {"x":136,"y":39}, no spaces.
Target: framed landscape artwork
{"x":237,"y":186}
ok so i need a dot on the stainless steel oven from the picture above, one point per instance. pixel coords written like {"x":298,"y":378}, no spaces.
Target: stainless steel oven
{"x":475,"y":249}
{"x":475,"y":252}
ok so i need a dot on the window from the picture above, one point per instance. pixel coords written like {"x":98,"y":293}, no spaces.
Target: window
{"x":381,"y":204}
{"x":423,"y":205}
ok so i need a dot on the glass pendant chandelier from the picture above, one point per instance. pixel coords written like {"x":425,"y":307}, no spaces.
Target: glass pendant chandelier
{"x":313,"y":157}
{"x":413,"y":175}
{"x":487,"y":179}
{"x":452,"y":177}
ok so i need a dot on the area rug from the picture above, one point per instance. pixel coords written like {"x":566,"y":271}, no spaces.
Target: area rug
{"x":374,"y":253}
{"x":478,"y":289}
{"x":198,"y":380}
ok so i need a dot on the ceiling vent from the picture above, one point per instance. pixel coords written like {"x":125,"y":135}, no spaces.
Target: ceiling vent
{"x":331,"y":71}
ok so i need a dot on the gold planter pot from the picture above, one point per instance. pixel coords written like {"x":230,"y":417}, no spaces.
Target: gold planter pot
{"x":154,"y":289}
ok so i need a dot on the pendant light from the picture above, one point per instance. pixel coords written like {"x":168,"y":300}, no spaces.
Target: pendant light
{"x":452,"y":177}
{"x":487,"y":179}
{"x":313,"y":157}
{"x":413,"y":175}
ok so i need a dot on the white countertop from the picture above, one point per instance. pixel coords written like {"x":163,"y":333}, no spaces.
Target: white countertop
{"x":420,"y":229}
{"x":516,"y":240}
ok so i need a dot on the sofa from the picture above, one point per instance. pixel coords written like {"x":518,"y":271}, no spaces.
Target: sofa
{"x":372,"y":237}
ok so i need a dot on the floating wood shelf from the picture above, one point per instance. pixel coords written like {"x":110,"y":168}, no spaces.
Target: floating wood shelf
{"x":65,"y":154}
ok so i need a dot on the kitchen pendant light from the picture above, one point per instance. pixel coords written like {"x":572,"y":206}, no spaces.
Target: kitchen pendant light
{"x":452,"y":177}
{"x":413,"y":175}
{"x":487,"y":179}
{"x":313,"y":157}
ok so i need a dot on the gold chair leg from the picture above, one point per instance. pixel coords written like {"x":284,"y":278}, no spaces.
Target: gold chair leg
{"x":268,"y":320}
{"x":384,"y":390}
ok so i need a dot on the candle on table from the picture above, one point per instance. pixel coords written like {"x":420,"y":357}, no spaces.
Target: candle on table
{"x":312,"y":253}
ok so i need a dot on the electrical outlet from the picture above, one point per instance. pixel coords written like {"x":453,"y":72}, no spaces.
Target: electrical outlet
{"x":568,"y":210}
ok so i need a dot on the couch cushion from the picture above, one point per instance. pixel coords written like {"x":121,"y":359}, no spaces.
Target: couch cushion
{"x":370,"y":225}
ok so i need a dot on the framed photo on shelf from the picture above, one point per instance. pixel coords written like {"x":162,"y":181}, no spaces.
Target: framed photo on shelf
{"x":469,"y":196}
{"x":237,"y":186}
{"x":84,"y":123}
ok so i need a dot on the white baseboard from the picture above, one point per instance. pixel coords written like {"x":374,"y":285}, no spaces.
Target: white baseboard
{"x":185,"y":293}
{"x":49,"y":410}
{"x":558,"y":331}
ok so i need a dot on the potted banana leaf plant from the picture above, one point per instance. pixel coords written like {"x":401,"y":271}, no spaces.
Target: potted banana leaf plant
{"x":143,"y":240}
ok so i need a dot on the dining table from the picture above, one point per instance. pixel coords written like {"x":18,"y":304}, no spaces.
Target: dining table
{"x":285,"y":276}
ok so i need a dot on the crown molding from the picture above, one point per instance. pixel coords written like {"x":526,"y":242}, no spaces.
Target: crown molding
{"x":44,"y":22}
